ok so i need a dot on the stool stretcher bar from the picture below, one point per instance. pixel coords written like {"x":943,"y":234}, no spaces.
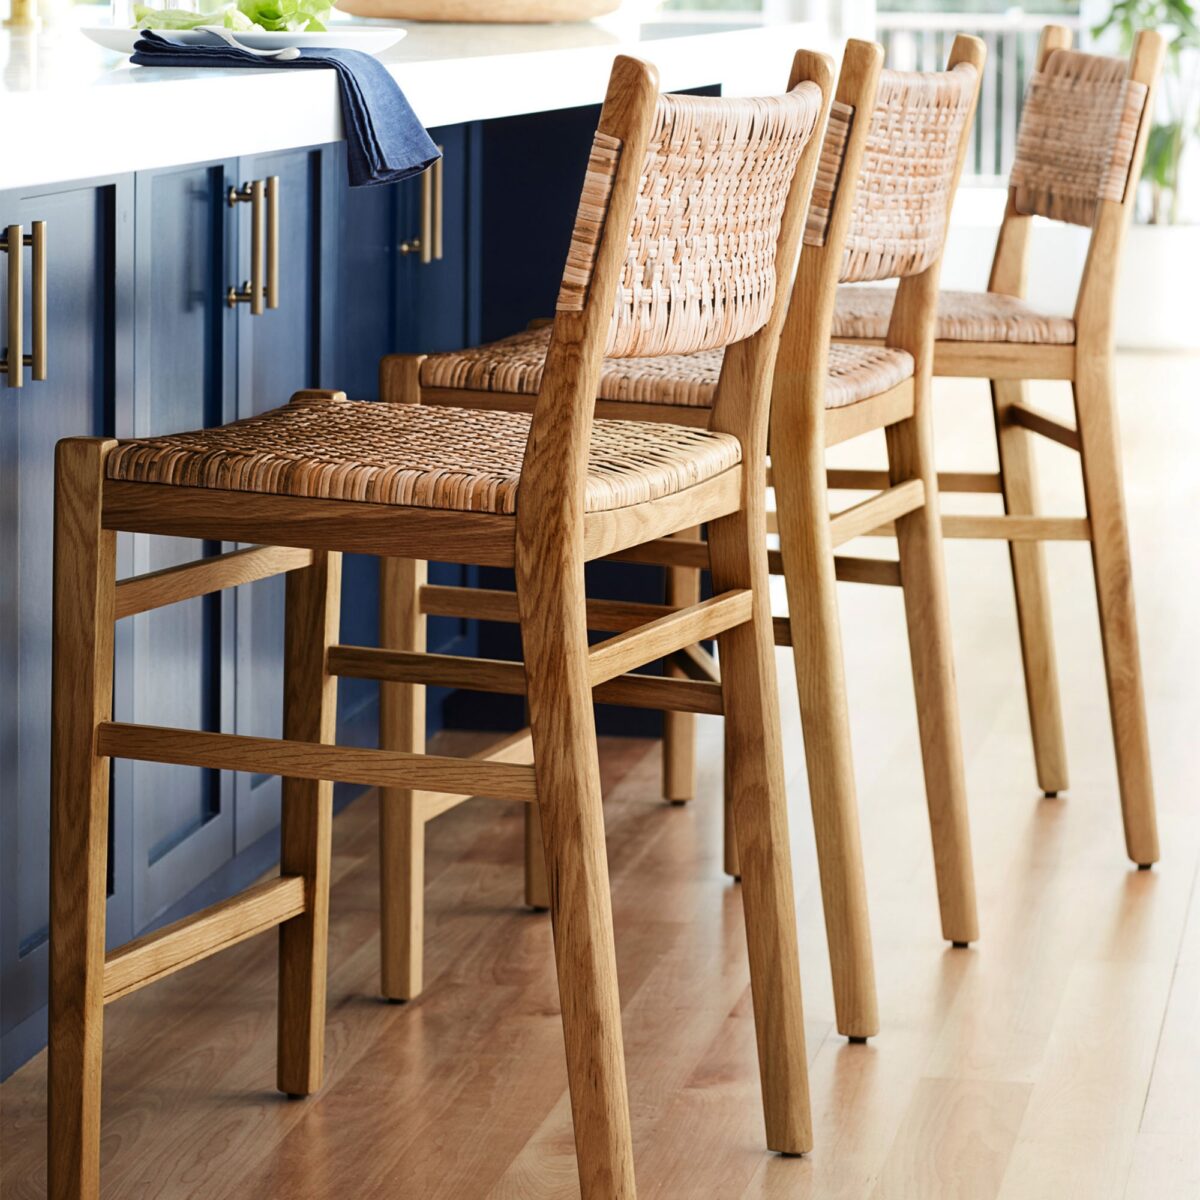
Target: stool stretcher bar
{"x":510,"y":748}
{"x":508,"y":678}
{"x":1006,"y":529}
{"x":1040,"y":423}
{"x":202,"y":934}
{"x":861,"y":518}
{"x":675,"y":631}
{"x":316,"y":760}
{"x":489,"y":604}
{"x":687,"y":552}
{"x":847,"y":479}
{"x":141,"y":593}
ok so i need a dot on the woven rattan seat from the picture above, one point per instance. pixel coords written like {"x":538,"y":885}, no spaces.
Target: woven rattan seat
{"x":423,"y":457}
{"x":514,"y":365}
{"x":962,"y":317}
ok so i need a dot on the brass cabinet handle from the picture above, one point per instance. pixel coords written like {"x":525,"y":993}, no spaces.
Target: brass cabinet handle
{"x":272,"y":288}
{"x":429,"y":242}
{"x":40,"y":359}
{"x":12,"y":242}
{"x":14,"y":359}
{"x":262,"y":290}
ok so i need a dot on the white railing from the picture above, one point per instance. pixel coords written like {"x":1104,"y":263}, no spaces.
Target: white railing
{"x":917,"y":41}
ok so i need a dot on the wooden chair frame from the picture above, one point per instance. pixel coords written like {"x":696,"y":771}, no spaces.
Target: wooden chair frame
{"x":1088,"y":367}
{"x":801,"y":429}
{"x":547,"y":543}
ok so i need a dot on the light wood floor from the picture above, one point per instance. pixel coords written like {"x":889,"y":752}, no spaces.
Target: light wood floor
{"x":1057,"y":1059}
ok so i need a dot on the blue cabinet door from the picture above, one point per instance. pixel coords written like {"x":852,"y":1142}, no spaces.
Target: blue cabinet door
{"x":178,"y":668}
{"x":279,"y":352}
{"x":437,"y":308}
{"x":90,"y":242}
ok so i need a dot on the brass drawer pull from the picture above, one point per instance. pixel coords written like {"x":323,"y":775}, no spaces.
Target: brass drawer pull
{"x":13,"y":241}
{"x":262,"y":290}
{"x":429,"y":243}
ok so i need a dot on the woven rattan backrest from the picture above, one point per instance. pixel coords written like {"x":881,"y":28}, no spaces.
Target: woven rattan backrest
{"x":700,"y":269}
{"x":902,"y":198}
{"x":1078,"y":132}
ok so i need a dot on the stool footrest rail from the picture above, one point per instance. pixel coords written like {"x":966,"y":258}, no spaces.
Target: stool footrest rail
{"x":195,"y":937}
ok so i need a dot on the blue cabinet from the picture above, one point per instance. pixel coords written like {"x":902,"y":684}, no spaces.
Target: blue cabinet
{"x":142,"y":341}
{"x":90,"y":332}
{"x":173,"y":665}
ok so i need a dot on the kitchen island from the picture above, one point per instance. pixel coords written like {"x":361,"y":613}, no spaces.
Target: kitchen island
{"x":146,"y":183}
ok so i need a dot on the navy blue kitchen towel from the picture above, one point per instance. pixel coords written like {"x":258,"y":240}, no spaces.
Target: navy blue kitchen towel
{"x":385,"y":140}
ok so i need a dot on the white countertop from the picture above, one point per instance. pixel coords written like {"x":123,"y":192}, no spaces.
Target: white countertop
{"x":73,"y":111}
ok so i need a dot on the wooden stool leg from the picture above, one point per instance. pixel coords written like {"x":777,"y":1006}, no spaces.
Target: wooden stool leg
{"x":1028,"y":561}
{"x":401,"y":810}
{"x":733,"y":866}
{"x":537,"y":886}
{"x":802,"y":502}
{"x":679,"y":729}
{"x":84,"y":606}
{"x":758,"y":795}
{"x":309,"y":715}
{"x":923,"y":574}
{"x":553,"y":630}
{"x":1096,"y":418}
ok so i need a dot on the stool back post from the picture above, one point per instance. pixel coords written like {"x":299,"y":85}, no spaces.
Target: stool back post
{"x":801,"y":365}
{"x":914,"y":315}
{"x":554,"y":472}
{"x":1095,"y":304}
{"x":751,"y":361}
{"x":1010,"y":263}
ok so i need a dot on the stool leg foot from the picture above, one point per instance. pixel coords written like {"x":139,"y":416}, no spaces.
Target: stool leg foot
{"x":309,"y":715}
{"x":84,"y":606}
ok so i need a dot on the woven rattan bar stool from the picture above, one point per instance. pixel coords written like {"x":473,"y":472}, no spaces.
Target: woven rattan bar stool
{"x":888,"y":170}
{"x":724,"y":184}
{"x":1079,"y":154}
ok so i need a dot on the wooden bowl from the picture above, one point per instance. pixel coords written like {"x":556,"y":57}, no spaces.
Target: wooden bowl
{"x":470,"y":11}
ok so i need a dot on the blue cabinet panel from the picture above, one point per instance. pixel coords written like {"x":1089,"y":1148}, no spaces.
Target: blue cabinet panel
{"x":176,"y":670}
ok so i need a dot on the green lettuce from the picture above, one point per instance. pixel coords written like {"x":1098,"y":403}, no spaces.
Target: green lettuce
{"x":284,"y":16}
{"x":290,"y":15}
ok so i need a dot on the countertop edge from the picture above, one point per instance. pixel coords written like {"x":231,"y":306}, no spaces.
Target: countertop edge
{"x":62,"y":134}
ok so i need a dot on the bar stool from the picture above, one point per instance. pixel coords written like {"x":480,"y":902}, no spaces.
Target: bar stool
{"x":879,"y":210}
{"x":723,"y":184}
{"x":1079,"y":154}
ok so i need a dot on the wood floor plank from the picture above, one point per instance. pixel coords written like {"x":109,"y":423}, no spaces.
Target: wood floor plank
{"x":1078,"y":1135}
{"x":955,"y":1141}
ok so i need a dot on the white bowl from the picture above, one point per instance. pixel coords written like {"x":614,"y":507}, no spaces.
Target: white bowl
{"x":374,"y":40}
